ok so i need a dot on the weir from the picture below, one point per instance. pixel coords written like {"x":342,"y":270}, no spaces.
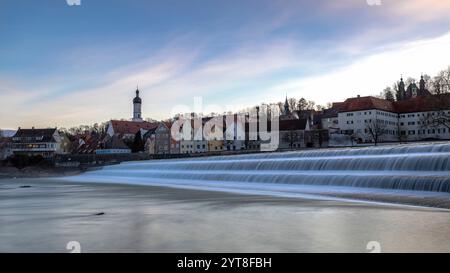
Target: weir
{"x":424,"y":167}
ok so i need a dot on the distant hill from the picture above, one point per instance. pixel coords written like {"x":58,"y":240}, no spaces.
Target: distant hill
{"x":7,"y":133}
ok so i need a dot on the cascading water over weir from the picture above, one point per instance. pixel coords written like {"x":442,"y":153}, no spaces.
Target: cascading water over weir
{"x":421,"y":168}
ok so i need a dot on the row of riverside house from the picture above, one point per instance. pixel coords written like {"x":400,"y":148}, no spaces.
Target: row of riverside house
{"x":139,"y":136}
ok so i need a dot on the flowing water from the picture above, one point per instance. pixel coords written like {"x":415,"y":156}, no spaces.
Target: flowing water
{"x":190,"y":212}
{"x":422,"y":170}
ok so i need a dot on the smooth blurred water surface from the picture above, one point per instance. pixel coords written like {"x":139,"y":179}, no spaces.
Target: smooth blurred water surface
{"x":45,"y":217}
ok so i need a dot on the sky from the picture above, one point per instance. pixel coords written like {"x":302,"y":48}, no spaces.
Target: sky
{"x":66,"y":65}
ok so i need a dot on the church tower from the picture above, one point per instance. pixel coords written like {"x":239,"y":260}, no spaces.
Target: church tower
{"x":287,"y":111}
{"x":422,"y":84}
{"x":401,"y":89}
{"x":137,"y":107}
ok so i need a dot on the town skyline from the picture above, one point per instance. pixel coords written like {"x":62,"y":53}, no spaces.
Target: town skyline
{"x":434,"y":84}
{"x":84,"y":72}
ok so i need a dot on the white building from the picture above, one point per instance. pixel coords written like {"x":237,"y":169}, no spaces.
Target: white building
{"x":415,"y":119}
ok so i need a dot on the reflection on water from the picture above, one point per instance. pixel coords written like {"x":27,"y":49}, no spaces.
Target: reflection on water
{"x":45,"y":217}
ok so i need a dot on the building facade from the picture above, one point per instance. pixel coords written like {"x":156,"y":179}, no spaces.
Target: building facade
{"x":162,"y":139}
{"x":5,"y":147}
{"x":292,"y":133}
{"x":40,"y":142}
{"x":417,"y":118}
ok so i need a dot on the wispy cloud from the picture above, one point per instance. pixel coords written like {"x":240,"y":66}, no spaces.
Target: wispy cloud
{"x":371,"y":74}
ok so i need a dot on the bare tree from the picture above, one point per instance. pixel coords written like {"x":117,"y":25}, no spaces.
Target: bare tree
{"x":428,"y":81}
{"x":375,"y":129}
{"x":397,"y":92}
{"x":280,"y":106}
{"x":441,"y":83}
{"x":311,"y":105}
{"x":440,"y":117}
{"x":302,"y":104}
{"x":320,"y":108}
{"x":292,"y":102}
{"x":388,"y":94}
{"x":409,"y":81}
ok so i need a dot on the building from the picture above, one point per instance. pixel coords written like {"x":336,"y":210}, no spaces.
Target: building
{"x":5,"y":147}
{"x":149,"y":140}
{"x":175,"y":145}
{"x":406,"y":93}
{"x":292,"y":133}
{"x":127,"y":130}
{"x":40,"y":142}
{"x":137,"y":107}
{"x":86,"y":143}
{"x":162,"y":138}
{"x":234,"y":134}
{"x":358,"y":115}
{"x":424,"y":118}
{"x":329,"y":119}
{"x":192,"y":138}
{"x":420,"y":117}
{"x":213,"y":130}
{"x":112,"y":145}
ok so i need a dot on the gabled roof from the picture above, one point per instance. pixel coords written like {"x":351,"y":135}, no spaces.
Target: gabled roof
{"x":333,"y":111}
{"x":123,"y":127}
{"x":293,"y":124}
{"x":116,"y":143}
{"x":415,"y":104}
{"x":367,"y":103}
{"x":87,"y":143}
{"x":423,"y":104}
{"x":412,"y":105}
{"x":35,"y":135}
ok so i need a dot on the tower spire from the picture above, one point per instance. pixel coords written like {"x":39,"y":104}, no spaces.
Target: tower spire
{"x":287,"y":111}
{"x":137,"y":106}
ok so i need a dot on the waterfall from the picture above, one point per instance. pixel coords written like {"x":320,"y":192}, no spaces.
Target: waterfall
{"x":412,"y":167}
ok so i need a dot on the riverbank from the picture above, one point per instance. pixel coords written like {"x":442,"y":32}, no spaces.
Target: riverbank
{"x":42,"y":216}
{"x":38,"y":172}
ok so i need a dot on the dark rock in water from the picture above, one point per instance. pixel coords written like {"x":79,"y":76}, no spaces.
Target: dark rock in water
{"x":99,"y":214}
{"x":25,"y":187}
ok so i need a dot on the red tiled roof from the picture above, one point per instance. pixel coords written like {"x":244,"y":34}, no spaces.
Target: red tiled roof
{"x":416,"y":104}
{"x":367,"y":103}
{"x":423,"y":104}
{"x":131,"y":127}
